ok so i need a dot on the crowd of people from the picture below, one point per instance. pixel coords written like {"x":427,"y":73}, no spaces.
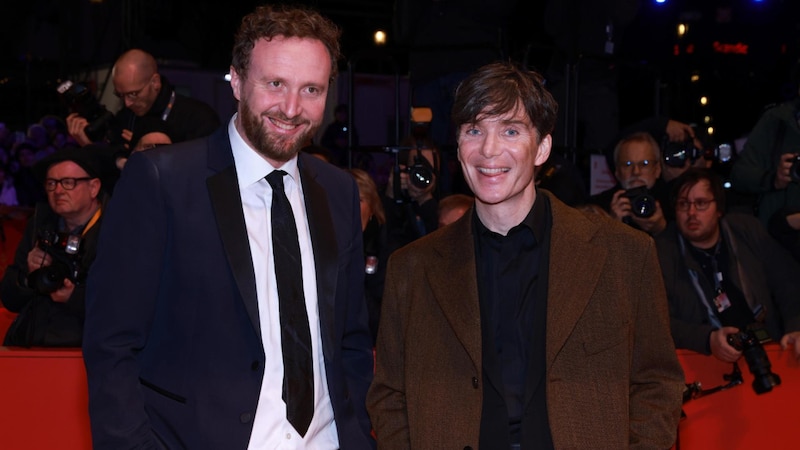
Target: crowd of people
{"x":228,"y":284}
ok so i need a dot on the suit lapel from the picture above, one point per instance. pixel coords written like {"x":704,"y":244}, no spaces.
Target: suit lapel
{"x":454,"y":261}
{"x":323,"y":241}
{"x":223,"y":190}
{"x":575,"y":268}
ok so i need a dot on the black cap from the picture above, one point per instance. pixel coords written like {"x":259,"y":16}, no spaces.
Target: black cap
{"x":96,"y":159}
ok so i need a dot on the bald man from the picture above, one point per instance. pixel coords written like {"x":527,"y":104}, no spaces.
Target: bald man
{"x":146,"y":93}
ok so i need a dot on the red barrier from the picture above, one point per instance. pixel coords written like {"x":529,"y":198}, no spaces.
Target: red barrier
{"x":738,"y":418}
{"x":44,"y":400}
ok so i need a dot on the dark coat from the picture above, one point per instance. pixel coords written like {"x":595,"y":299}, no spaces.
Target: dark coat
{"x":173,"y":347}
{"x":612,"y":378}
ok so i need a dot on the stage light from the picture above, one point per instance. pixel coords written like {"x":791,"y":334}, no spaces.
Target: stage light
{"x":682,"y":29}
{"x":707,"y":119}
{"x":704,"y":100}
{"x":710,"y":131}
{"x":661,"y":1}
{"x":695,"y":78}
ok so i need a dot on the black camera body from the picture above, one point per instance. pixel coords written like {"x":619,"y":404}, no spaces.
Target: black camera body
{"x":420,"y":174}
{"x":675,"y":154}
{"x":643,"y":204}
{"x":79,"y":99}
{"x":750,"y":342}
{"x":65,"y":252}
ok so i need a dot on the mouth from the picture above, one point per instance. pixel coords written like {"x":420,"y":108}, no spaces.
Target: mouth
{"x":284,"y":125}
{"x":492,"y":171}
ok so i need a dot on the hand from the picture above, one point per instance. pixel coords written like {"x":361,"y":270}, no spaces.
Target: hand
{"x":782,"y":172}
{"x":793,"y":220}
{"x":678,"y":131}
{"x":720,"y":347}
{"x":76,"y":125}
{"x":654,"y":224}
{"x":127,"y":135}
{"x":62,"y":294}
{"x":38,"y":258}
{"x":620,"y":206}
{"x":791,"y":341}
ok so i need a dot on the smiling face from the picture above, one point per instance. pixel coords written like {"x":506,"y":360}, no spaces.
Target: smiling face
{"x":498,"y":155}
{"x":282,"y":97}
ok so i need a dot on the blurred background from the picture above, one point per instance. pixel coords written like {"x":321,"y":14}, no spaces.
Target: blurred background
{"x":713,"y":63}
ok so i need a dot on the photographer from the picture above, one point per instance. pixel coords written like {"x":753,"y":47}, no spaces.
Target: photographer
{"x":639,"y":193}
{"x":45,"y":284}
{"x":146,"y":93}
{"x":412,"y":210}
{"x":724,"y":273}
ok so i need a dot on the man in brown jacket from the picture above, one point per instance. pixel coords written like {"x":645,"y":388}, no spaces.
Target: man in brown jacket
{"x":525,"y":324}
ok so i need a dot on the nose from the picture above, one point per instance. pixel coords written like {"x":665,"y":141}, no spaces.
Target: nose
{"x":128,"y":102}
{"x":636,"y":168}
{"x":490,"y":146}
{"x":291,"y":105}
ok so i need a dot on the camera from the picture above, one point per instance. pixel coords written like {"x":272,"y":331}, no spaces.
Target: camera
{"x":643,"y":204}
{"x":420,"y":173}
{"x":794,"y":171}
{"x":79,"y":99}
{"x":677,"y":153}
{"x":65,"y":252}
{"x":750,"y":342}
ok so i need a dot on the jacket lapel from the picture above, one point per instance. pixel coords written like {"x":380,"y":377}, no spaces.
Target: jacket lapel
{"x":323,"y":241}
{"x":223,"y":191}
{"x":575,"y":268}
{"x":454,"y":261}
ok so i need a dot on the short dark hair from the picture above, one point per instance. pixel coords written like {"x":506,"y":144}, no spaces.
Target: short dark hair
{"x":269,"y":21}
{"x":498,"y":88}
{"x":691,"y":177}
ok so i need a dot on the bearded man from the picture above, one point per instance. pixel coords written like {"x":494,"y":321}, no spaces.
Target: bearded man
{"x":188,"y":341}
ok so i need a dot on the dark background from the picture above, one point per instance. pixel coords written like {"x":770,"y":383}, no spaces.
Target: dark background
{"x":44,"y":41}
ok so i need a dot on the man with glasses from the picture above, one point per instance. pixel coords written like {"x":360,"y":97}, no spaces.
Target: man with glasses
{"x":145,"y":93}
{"x":45,"y":283}
{"x":724,"y":273}
{"x":637,"y":164}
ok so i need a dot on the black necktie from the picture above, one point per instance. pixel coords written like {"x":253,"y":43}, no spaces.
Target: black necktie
{"x":298,"y":372}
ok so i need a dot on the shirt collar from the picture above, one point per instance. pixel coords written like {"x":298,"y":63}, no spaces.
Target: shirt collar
{"x":251,"y":167}
{"x":536,"y":220}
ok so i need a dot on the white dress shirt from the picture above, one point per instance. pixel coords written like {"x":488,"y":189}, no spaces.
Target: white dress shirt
{"x":271,"y":430}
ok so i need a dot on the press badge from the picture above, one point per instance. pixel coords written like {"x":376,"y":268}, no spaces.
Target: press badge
{"x":721,"y":300}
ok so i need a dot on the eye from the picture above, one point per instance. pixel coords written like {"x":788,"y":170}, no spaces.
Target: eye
{"x":274,"y":84}
{"x":701,"y":204}
{"x":472,"y":132}
{"x":512,"y":132}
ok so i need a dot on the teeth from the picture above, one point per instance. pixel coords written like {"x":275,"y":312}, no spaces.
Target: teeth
{"x":492,"y":171}
{"x":282,"y":125}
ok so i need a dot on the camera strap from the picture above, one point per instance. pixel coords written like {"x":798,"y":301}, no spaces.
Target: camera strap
{"x":92,"y":221}
{"x":170,"y":104}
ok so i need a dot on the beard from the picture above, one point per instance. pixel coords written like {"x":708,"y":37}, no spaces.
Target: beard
{"x":270,"y":145}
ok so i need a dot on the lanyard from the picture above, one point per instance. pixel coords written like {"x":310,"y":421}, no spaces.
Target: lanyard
{"x":168,"y":109}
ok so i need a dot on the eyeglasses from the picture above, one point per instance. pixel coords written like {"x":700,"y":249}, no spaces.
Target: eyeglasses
{"x":66,"y":183}
{"x":132,"y":95}
{"x":643,"y":165}
{"x":700,"y":205}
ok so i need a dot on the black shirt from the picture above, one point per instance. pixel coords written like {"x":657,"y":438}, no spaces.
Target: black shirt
{"x":512,"y":286}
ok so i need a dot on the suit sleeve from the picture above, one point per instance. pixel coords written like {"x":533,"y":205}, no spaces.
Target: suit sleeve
{"x":386,"y":400}
{"x":121,"y":297}
{"x":657,"y":381}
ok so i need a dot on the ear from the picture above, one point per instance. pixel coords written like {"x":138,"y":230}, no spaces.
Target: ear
{"x":94,"y":187}
{"x":236,"y":84}
{"x":543,"y":151}
{"x":156,"y":80}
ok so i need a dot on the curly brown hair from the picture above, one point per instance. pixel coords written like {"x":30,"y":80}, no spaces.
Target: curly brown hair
{"x":269,"y":21}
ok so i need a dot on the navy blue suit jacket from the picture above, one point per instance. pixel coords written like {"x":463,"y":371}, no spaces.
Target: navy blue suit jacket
{"x":172,"y":340}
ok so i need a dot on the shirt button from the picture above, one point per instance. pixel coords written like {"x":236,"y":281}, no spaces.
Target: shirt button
{"x":245,"y":417}
{"x":288,"y":435}
{"x":254,"y":366}
{"x":475,"y":382}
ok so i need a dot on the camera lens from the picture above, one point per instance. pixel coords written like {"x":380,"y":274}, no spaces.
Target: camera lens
{"x":420,"y":176}
{"x":642,"y":203}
